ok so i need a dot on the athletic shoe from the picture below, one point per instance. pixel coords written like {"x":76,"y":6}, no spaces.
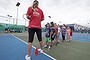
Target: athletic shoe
{"x":45,"y":46}
{"x":49,"y":47}
{"x":41,"y":51}
{"x":27,"y":58}
{"x":56,"y":43}
{"x":62,"y":40}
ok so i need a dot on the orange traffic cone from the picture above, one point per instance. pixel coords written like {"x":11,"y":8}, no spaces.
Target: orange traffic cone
{"x":36,"y":51}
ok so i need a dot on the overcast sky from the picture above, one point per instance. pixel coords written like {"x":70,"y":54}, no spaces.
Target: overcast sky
{"x":63,"y":11}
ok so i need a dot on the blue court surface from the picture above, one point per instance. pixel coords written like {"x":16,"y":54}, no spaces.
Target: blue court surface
{"x":82,"y":37}
{"x":13,"y":48}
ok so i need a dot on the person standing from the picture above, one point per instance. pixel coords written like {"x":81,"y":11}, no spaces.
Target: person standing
{"x":52,"y":33}
{"x":35,"y":16}
{"x":71,"y":33}
{"x":57,"y":33}
{"x":63,"y":32}
{"x":68,"y":31}
{"x":47,"y":36}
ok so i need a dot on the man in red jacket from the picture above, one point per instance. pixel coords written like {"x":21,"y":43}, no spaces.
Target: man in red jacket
{"x":35,"y":16}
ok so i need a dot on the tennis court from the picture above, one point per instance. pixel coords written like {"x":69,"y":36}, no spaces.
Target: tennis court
{"x":14,"y":49}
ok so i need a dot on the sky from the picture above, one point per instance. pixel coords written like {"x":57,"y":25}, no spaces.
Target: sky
{"x":61,"y":11}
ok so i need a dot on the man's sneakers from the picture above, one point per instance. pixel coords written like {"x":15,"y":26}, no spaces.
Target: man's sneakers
{"x":27,"y":58}
{"x":41,"y":51}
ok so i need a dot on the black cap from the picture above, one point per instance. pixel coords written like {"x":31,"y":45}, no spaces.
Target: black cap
{"x":35,"y":1}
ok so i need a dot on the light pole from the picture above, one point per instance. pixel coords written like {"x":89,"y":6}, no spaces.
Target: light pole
{"x":13,"y":20}
{"x":88,"y":27}
{"x":6,"y":23}
{"x":17,"y":12}
{"x":88,"y":24}
{"x":9,"y":19}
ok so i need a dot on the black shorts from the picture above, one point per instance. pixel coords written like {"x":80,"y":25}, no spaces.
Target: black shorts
{"x":53,"y":37}
{"x":31,"y":32}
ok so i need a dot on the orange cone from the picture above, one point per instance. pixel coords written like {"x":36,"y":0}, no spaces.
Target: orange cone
{"x":36,"y":51}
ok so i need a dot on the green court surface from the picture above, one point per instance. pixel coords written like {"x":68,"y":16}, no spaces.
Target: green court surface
{"x":74,"y":50}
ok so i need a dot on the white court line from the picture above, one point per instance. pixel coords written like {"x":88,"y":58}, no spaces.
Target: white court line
{"x":33,"y":47}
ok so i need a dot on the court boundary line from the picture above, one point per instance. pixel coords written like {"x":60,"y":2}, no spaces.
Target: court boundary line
{"x":33,"y":47}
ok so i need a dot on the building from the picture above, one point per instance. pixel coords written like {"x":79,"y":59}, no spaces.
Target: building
{"x":78,"y":28}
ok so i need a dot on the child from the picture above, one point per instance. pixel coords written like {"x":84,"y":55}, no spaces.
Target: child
{"x":57,"y":40}
{"x":47,"y":36}
{"x":52,"y":33}
{"x":63,"y":32}
{"x":69,"y":34}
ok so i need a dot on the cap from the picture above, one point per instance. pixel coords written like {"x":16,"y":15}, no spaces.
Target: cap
{"x":35,"y":2}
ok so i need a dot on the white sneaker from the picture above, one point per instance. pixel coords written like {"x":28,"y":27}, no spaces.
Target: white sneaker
{"x":27,"y":58}
{"x":41,"y":51}
{"x":45,"y":46}
{"x":49,"y":47}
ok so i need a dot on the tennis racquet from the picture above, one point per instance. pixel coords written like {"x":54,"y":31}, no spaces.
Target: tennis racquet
{"x":25,"y":18}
